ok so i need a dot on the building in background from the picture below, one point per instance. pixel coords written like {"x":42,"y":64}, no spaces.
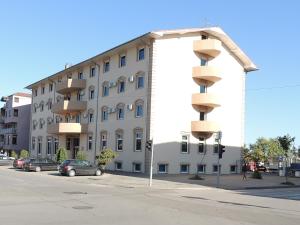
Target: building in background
{"x":15,"y":123}
{"x":178,"y":87}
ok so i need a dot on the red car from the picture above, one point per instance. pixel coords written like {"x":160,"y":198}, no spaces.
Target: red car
{"x":19,"y":163}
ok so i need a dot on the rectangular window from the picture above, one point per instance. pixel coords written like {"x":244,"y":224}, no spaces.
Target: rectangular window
{"x":140,"y":82}
{"x":118,"y":165}
{"x":77,"y":118}
{"x":105,"y":90}
{"x":16,"y":112}
{"x":119,"y":142}
{"x":92,"y":94}
{"x":68,"y":143}
{"x":92,"y":71}
{"x":91,"y":117}
{"x":39,"y":145}
{"x":232,"y":168}
{"x":162,"y":168}
{"x":204,"y":37}
{"x":55,"y":145}
{"x":80,"y":76}
{"x":137,"y":167}
{"x":203,"y":62}
{"x":14,"y":139}
{"x":120,"y":115}
{"x":184,"y":168}
{"x":201,"y":148}
{"x":184,"y":144}
{"x":106,"y":66}
{"x":202,"y":116}
{"x":138,"y":141}
{"x":215,"y":168}
{"x":103,"y":140}
{"x":43,"y":90}
{"x":50,"y":87}
{"x":105,"y":114}
{"x":49,"y":145}
{"x":121,"y":87}
{"x":201,"y":168}
{"x":141,"y":54}
{"x":17,"y":100}
{"x":33,"y":143}
{"x":216,"y":148}
{"x":202,"y":89}
{"x":90,"y":142}
{"x":49,"y":105}
{"x":139,"y":110}
{"x":122,"y":60}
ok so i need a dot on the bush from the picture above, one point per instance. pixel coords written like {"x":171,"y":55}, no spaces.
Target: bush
{"x":256,"y":175}
{"x":14,"y":154}
{"x":106,"y":156}
{"x":24,"y":154}
{"x":81,"y":155}
{"x":61,"y":155}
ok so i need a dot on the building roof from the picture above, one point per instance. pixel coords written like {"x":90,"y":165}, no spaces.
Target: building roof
{"x":20,"y":94}
{"x":217,"y":32}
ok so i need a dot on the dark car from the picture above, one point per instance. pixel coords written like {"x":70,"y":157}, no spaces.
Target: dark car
{"x":38,"y":165}
{"x":75,"y":167}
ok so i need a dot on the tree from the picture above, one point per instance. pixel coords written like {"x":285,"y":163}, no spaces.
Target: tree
{"x":24,"y":154}
{"x":106,"y":156}
{"x":81,"y":155}
{"x":14,"y":154}
{"x":61,"y":155}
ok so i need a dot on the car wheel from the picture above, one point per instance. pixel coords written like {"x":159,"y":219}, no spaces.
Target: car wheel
{"x":71,"y":173}
{"x":37,"y":169}
{"x":98,"y":172}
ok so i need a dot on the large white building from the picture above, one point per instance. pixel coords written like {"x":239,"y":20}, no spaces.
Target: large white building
{"x":178,"y":87}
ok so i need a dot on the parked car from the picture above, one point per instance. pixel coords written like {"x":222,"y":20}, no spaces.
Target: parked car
{"x":19,"y":163}
{"x":73,"y":167}
{"x":38,"y":165}
{"x":5,"y":161}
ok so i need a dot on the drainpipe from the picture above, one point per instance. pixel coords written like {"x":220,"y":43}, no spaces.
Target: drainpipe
{"x":97,"y":110}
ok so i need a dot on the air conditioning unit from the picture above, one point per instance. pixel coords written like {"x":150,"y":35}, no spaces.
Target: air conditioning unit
{"x":112,"y":110}
{"x":131,"y":79}
{"x":112,"y":84}
{"x":130,"y":107}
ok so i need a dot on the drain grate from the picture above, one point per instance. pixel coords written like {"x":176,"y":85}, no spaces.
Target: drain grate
{"x":82,"y":207}
{"x":75,"y":193}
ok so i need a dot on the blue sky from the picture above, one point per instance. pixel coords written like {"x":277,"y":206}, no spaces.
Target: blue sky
{"x":38,"y":37}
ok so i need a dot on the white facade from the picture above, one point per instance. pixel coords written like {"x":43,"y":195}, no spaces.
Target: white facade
{"x":152,"y":93}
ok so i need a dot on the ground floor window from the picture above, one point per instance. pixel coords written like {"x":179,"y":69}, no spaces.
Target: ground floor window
{"x":232,"y":168}
{"x":55,"y":145}
{"x":137,"y":167}
{"x":118,"y":165}
{"x":14,"y":139}
{"x":201,"y":168}
{"x":162,"y":168}
{"x":216,"y":148}
{"x":215,"y":168}
{"x":201,"y":148}
{"x":40,"y":145}
{"x":184,"y":168}
{"x":49,"y":145}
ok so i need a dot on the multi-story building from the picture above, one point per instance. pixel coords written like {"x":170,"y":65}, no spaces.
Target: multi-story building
{"x":15,"y":122}
{"x":178,"y":87}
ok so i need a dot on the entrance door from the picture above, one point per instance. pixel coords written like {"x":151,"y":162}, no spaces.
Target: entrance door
{"x":76,"y":144}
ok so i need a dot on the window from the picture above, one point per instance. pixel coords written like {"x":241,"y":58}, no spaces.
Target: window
{"x":184,"y":168}
{"x":39,"y":145}
{"x":105,"y":89}
{"x":141,"y":54}
{"x":216,"y":148}
{"x":201,"y":148}
{"x":35,"y":92}
{"x":49,"y":145}
{"x":232,"y":168}
{"x":140,"y":81}
{"x":68,"y":118}
{"x":50,"y":87}
{"x":138,"y":133}
{"x":90,"y":142}
{"x":34,"y":124}
{"x":139,"y":108}
{"x":14,"y":139}
{"x":202,"y":116}
{"x":121,"y":85}
{"x":204,"y":37}
{"x":16,"y":112}
{"x":17,"y":100}
{"x":33,"y":143}
{"x":80,"y":75}
{"x":203,"y":62}
{"x":215,"y":168}
{"x":203,"y":89}
{"x":122,"y":60}
{"x":55,"y":145}
{"x":104,"y":113}
{"x":41,"y":124}
{"x":77,"y":118}
{"x":120,"y":111}
{"x":184,"y":144}
{"x":118,"y":165}
{"x":68,"y":143}
{"x":42,"y":106}
{"x":91,"y":117}
{"x":162,"y":168}
{"x":92,"y":71}
{"x":106,"y":66}
{"x":119,"y":140}
{"x":79,"y":95}
{"x":43,"y":90}
{"x":137,"y":167}
{"x":92,"y":94}
{"x":201,"y":168}
{"x":103,"y":140}
{"x":50,"y":104}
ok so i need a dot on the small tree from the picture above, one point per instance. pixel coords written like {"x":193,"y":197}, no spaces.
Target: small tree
{"x":106,"y":156}
{"x":14,"y":154}
{"x":81,"y":155}
{"x":61,"y":155}
{"x":24,"y":153}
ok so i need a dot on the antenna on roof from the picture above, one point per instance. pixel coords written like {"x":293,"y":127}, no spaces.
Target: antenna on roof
{"x":68,"y":65}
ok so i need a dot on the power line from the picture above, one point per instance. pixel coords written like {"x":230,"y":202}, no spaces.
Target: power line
{"x":274,"y":87}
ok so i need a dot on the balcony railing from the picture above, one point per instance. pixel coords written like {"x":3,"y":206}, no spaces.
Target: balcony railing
{"x":70,"y":85}
{"x":64,"y":107}
{"x":8,"y":131}
{"x":67,"y":128}
{"x":205,"y":102}
{"x":206,"y":75}
{"x":204,"y":129}
{"x":209,"y":47}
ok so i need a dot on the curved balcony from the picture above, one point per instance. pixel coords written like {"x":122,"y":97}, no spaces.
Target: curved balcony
{"x":209,"y":47}
{"x":205,"y":102}
{"x":206,"y":75}
{"x":204,"y":129}
{"x":64,"y":107}
{"x":70,"y":85}
{"x":67,"y":128}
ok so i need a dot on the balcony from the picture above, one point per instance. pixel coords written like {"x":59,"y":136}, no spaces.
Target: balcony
{"x":8,"y":130}
{"x":70,"y":85}
{"x":64,"y":107}
{"x":205,"y":102}
{"x":204,"y":129}
{"x":206,"y":75}
{"x":67,"y":128}
{"x":208,"y":47}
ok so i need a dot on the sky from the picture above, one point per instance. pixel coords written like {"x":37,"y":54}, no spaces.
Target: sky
{"x":37,"y":38}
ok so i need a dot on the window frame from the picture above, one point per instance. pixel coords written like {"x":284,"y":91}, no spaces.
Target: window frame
{"x":166,"y":168}
{"x":186,"y":141}
{"x":188,"y":168}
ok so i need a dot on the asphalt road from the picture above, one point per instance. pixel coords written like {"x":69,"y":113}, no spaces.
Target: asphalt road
{"x":40,"y":199}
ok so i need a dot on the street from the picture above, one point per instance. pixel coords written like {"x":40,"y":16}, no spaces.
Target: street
{"x":46,"y":198}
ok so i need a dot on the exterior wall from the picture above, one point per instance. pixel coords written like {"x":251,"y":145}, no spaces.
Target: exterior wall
{"x":172,"y":111}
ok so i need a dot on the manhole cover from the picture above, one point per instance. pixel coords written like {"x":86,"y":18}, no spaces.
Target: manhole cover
{"x":82,"y":207}
{"x":75,"y":193}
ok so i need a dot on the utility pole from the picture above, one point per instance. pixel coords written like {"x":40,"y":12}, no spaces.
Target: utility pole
{"x":150,"y":147}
